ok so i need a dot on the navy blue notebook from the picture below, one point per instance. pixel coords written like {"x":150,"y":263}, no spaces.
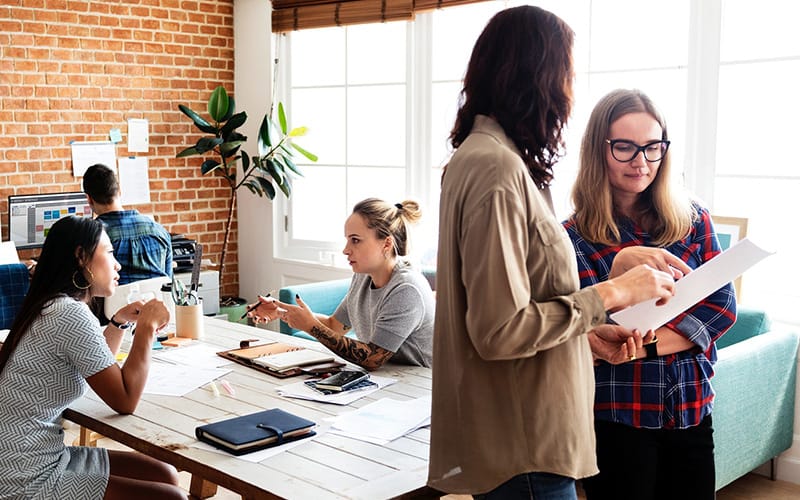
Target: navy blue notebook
{"x":240,"y":435}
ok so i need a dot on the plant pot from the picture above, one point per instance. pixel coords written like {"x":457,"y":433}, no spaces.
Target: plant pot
{"x":234,"y":308}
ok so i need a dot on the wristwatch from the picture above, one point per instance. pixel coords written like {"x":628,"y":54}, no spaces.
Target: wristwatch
{"x":121,"y":326}
{"x":651,"y":349}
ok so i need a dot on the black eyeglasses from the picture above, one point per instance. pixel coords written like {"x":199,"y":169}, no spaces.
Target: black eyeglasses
{"x":625,"y":151}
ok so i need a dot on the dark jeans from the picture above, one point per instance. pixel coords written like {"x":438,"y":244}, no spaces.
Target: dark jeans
{"x":653,"y":464}
{"x":533,"y":486}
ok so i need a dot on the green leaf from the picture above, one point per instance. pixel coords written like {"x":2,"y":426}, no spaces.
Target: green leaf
{"x":298,"y":131}
{"x":264,"y":136}
{"x":209,"y":166}
{"x":282,"y":118}
{"x":276,"y":172}
{"x":286,"y":188}
{"x":218,"y":104}
{"x":291,"y":165}
{"x":231,"y":109}
{"x":311,"y":156}
{"x":188,"y":152}
{"x":205,"y":144}
{"x":267,"y":186}
{"x":233,"y":123}
{"x":198,"y":120}
{"x":245,"y":161}
{"x":229,"y":148}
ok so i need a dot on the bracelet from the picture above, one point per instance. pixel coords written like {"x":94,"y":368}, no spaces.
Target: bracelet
{"x":121,"y":326}
{"x":651,"y":348}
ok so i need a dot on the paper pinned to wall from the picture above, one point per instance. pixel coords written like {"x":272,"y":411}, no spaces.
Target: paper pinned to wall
{"x":138,"y":135}
{"x":134,"y":180}
{"x":86,"y":154}
{"x":693,"y":287}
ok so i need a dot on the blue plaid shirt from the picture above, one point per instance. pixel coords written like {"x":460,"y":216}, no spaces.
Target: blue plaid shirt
{"x":142,"y":246}
{"x":14,"y":281}
{"x":672,"y":391}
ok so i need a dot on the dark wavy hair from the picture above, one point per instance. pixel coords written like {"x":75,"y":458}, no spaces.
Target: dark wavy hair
{"x":520,"y":73}
{"x":58,"y":272}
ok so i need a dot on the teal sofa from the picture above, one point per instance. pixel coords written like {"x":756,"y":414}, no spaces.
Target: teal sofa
{"x":754,"y":382}
{"x":754,"y":406}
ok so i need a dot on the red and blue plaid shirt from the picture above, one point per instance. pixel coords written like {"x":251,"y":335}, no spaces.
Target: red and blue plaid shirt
{"x":672,"y":391}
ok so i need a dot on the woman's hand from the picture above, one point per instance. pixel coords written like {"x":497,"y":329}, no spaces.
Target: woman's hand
{"x":128,"y":313}
{"x":615,"y":344}
{"x":154,"y":314}
{"x":299,"y":316}
{"x":657,"y":258}
{"x":637,"y":285}
{"x":265,"y":310}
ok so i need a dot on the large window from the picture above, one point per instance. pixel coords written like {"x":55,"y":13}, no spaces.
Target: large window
{"x":380,"y":101}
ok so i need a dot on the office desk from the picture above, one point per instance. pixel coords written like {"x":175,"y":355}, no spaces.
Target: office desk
{"x":326,"y":466}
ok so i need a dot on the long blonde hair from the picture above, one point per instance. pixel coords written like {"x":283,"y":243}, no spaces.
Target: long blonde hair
{"x":663,"y":212}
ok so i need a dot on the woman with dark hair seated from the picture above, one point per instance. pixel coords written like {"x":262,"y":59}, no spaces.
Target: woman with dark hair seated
{"x":55,"y":347}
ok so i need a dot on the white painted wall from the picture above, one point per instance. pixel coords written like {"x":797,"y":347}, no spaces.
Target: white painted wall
{"x":259,"y":271}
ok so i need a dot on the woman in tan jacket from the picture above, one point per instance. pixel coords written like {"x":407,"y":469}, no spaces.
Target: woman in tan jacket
{"x":512,"y":370}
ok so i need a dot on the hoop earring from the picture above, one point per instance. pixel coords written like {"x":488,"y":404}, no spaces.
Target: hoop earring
{"x":88,"y":283}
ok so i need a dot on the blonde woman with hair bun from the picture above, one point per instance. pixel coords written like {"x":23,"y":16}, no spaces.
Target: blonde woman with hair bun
{"x":389,"y":306}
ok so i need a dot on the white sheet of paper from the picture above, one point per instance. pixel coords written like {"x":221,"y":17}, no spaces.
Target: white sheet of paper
{"x":169,"y":379}
{"x":384,"y":420}
{"x":199,"y":355}
{"x":86,"y":154}
{"x":138,"y":135}
{"x":134,"y":180}
{"x":693,"y":287}
{"x":8,"y":253}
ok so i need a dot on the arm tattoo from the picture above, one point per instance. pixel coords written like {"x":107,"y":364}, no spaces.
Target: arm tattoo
{"x":366,"y":355}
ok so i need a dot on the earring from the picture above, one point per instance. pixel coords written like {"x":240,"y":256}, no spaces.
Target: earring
{"x":88,"y":283}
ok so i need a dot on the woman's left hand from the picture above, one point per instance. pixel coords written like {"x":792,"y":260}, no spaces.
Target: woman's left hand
{"x":657,"y":258}
{"x":299,"y":316}
{"x":128,"y":313}
{"x":615,"y":344}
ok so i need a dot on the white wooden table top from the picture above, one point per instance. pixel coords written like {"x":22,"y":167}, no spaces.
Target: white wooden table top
{"x":326,"y":466}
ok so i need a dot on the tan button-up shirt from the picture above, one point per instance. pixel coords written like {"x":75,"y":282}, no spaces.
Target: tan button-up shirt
{"x":513,"y":384}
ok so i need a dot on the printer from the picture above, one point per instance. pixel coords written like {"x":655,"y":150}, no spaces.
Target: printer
{"x":182,"y":253}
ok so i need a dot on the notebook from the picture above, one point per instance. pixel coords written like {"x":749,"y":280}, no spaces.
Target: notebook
{"x":292,"y":359}
{"x":285,"y":360}
{"x":240,"y":435}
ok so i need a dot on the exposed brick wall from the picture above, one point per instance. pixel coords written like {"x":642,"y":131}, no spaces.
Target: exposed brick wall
{"x":73,"y":70}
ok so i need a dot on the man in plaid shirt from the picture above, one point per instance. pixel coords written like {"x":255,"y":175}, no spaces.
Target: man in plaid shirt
{"x":141,"y":245}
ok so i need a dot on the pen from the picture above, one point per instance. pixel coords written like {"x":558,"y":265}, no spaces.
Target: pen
{"x":253,"y":307}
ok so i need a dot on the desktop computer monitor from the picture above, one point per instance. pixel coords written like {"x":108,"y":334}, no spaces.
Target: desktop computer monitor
{"x":30,"y":216}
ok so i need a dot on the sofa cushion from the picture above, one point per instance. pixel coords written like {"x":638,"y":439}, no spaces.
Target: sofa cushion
{"x":749,"y":323}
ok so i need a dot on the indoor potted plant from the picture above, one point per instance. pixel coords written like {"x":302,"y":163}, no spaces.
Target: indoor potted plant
{"x":272,"y":167}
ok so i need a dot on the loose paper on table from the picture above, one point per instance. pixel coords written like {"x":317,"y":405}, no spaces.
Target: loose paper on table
{"x":693,"y":287}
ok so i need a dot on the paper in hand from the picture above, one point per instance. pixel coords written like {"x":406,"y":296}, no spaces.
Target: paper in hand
{"x":694,"y":287}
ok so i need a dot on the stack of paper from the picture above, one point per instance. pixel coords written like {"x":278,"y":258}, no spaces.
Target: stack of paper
{"x":300,"y":390}
{"x":384,"y":420}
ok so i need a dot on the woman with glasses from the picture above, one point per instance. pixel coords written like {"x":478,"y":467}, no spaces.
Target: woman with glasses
{"x":653,"y":408}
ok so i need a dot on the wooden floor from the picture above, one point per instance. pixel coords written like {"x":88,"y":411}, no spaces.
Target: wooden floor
{"x":749,"y":487}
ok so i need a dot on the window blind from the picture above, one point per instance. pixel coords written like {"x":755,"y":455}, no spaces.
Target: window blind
{"x":292,"y":15}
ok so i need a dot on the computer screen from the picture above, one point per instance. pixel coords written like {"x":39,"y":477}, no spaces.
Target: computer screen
{"x":30,"y":216}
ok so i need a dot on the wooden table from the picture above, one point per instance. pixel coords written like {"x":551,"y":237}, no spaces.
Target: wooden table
{"x":327,"y":466}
